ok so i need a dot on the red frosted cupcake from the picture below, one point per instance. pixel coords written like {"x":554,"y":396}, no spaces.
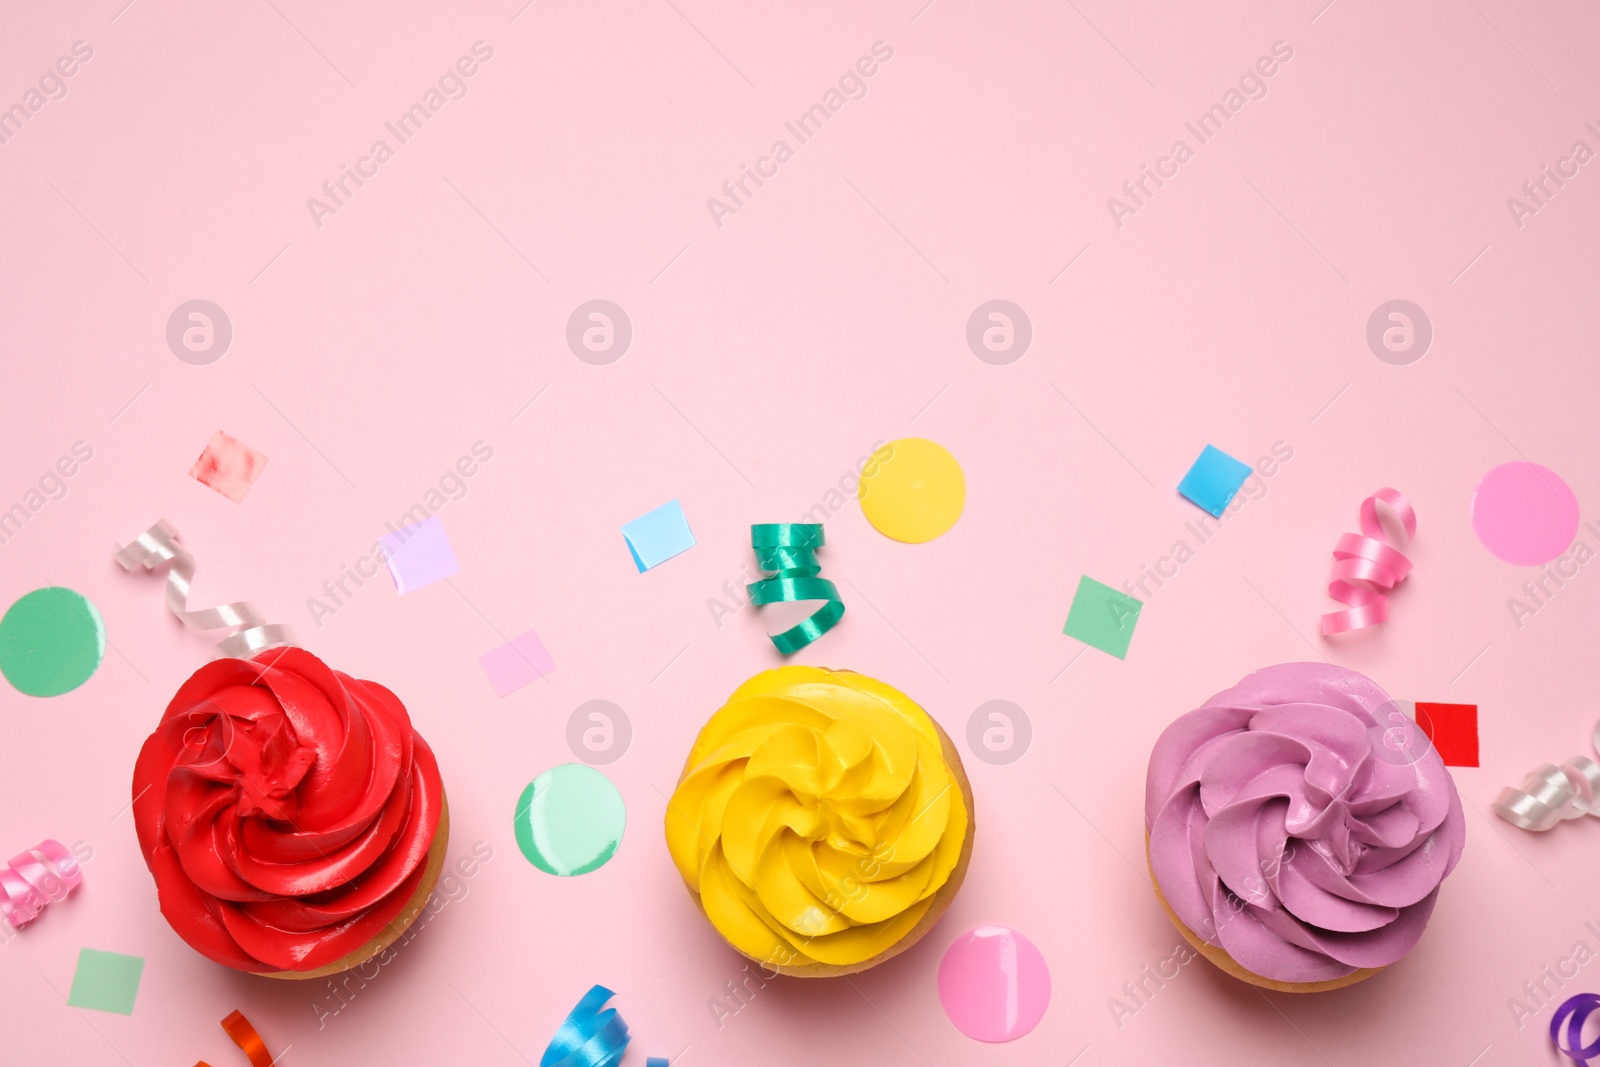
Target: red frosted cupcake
{"x":294,"y":821}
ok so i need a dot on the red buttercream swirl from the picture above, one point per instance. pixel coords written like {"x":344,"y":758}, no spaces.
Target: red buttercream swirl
{"x":285,"y":809}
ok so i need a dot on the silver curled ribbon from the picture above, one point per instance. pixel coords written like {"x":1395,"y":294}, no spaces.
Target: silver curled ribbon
{"x":251,"y":633}
{"x":1551,"y":794}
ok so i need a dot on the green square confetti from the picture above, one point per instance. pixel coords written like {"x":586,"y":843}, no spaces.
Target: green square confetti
{"x":1102,"y":617}
{"x":106,"y":981}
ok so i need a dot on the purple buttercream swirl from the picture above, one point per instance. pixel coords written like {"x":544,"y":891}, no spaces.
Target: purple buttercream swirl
{"x":1289,"y":829}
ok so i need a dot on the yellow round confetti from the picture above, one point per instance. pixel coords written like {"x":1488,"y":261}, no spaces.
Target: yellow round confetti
{"x":912,"y":490}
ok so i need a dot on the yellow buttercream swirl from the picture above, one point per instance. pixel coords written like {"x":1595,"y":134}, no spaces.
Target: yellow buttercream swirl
{"x":816,"y":817}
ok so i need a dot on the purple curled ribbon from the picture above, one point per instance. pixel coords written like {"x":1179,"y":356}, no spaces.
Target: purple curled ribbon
{"x":589,"y":1037}
{"x":1574,"y":1012}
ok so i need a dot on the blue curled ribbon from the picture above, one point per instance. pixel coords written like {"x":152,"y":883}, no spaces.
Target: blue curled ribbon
{"x":1575,"y":1012}
{"x":790,"y":550}
{"x":589,"y":1037}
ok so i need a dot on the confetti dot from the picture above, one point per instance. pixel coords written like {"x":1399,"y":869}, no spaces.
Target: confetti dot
{"x":570,"y":820}
{"x":994,"y":984}
{"x":1524,"y":513}
{"x":51,"y":641}
{"x":915,"y":492}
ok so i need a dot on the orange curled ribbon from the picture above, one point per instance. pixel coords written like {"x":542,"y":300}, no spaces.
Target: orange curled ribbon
{"x":244,"y":1035}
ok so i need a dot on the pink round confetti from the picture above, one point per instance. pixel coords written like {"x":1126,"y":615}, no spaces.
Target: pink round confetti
{"x":1524,"y":513}
{"x":994,"y":984}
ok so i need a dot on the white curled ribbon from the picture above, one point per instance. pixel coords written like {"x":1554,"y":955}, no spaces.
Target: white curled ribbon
{"x":1550,"y":794}
{"x":251,"y":631}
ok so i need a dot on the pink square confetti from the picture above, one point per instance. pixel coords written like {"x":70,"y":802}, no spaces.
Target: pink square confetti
{"x":228,"y":465}
{"x":513,"y":665}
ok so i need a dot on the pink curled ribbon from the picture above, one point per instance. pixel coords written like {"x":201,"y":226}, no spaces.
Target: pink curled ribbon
{"x":44,"y":873}
{"x":1366,"y":566}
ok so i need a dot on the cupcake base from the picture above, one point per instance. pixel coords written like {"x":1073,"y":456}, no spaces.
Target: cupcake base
{"x":936,"y":909}
{"x":400,"y":923}
{"x":1225,"y":962}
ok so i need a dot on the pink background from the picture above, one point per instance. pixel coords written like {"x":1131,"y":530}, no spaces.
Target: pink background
{"x":768,"y":354}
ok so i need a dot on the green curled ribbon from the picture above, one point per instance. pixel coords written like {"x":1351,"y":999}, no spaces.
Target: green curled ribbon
{"x":789,"y":549}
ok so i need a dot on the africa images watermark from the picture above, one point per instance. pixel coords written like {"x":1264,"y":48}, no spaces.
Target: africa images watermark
{"x":451,"y":888}
{"x":452,"y":85}
{"x":1252,"y":85}
{"x":1139,"y":992}
{"x":1536,"y":993}
{"x":739,"y":995}
{"x":853,"y":888}
{"x":452,"y":485}
{"x":1537,"y":192}
{"x":1204,"y":528}
{"x":833,"y":499}
{"x":1560,"y":570}
{"x":54,"y":888}
{"x":999,"y":732}
{"x":51,"y":85}
{"x":52,"y":486}
{"x":852,"y":85}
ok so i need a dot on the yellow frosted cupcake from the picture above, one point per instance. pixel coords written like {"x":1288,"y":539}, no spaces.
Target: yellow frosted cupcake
{"x":823,"y":821}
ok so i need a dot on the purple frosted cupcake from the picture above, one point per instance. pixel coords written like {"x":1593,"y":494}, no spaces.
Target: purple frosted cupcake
{"x":1299,"y":827}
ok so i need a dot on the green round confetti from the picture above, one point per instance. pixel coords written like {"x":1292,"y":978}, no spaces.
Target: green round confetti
{"x":569,"y":820}
{"x":51,"y":641}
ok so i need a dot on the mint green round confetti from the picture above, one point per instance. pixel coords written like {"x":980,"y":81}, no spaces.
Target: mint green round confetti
{"x":570,"y":820}
{"x":51,"y":641}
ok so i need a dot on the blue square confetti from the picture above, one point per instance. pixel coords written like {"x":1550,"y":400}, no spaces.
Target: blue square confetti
{"x":657,"y":536}
{"x":1213,"y":480}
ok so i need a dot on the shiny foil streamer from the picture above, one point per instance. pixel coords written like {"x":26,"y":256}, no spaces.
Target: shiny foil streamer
{"x":589,"y":1037}
{"x":1573,"y":1014}
{"x":244,"y":1035}
{"x":790,"y":550}
{"x":44,"y":873}
{"x":1551,"y":794}
{"x":1366,"y":567}
{"x":251,"y":633}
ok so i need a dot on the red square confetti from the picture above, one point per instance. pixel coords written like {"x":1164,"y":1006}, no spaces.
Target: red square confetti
{"x":1453,"y":729}
{"x":229,"y":466}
